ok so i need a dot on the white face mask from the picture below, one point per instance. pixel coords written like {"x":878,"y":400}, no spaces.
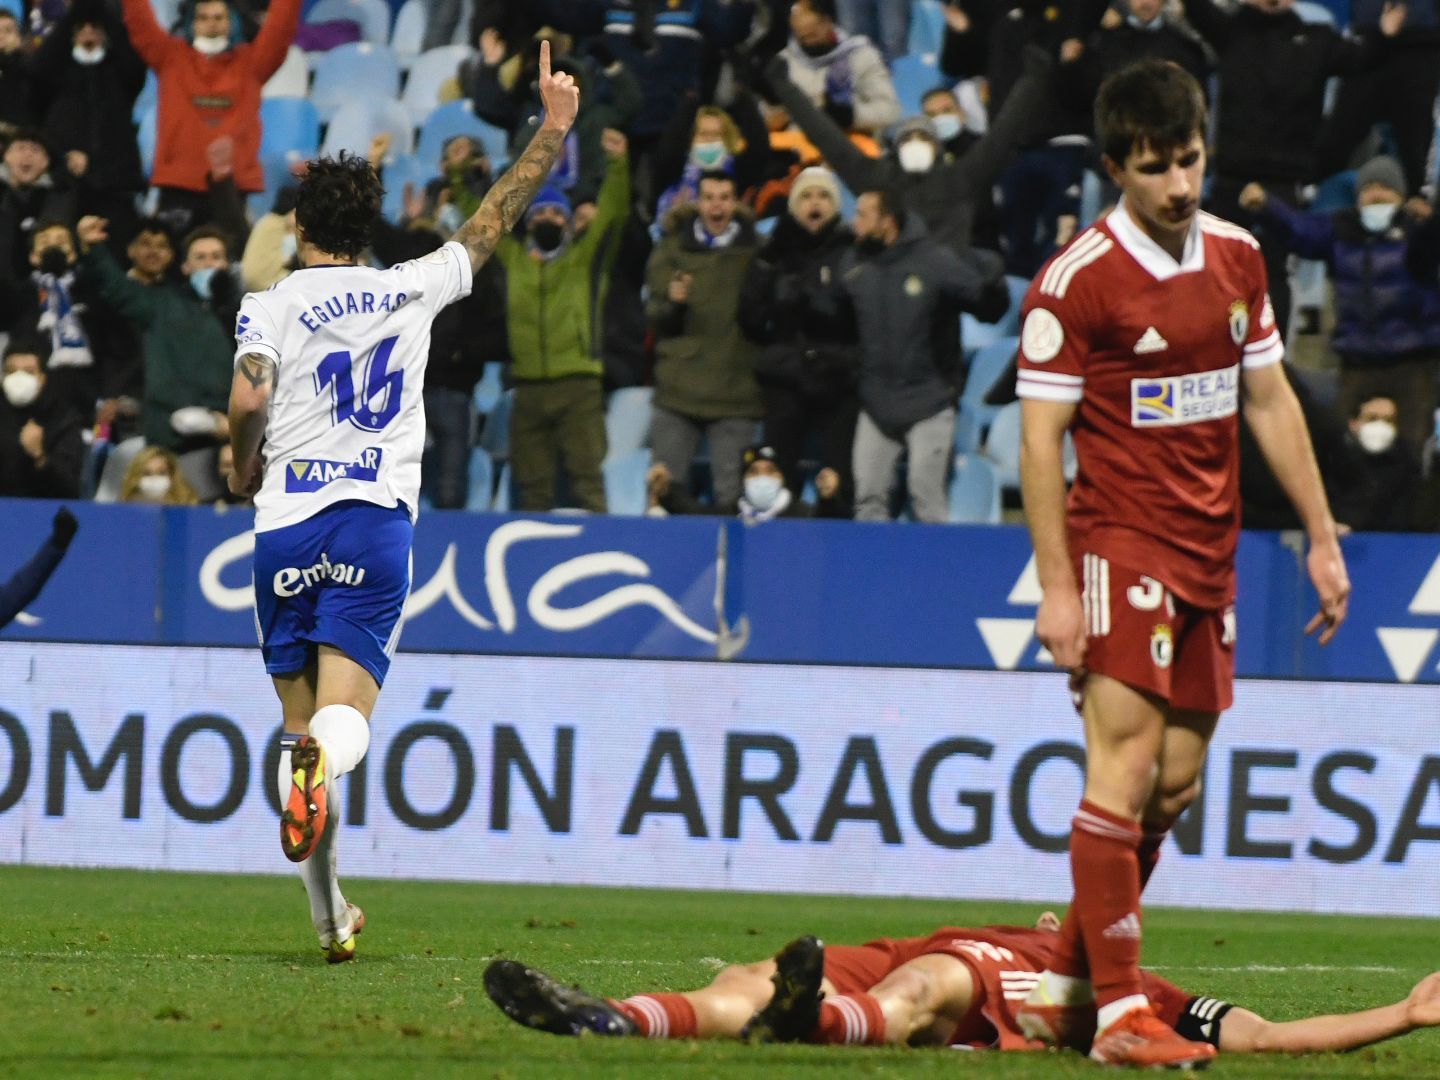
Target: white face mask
{"x":211,"y":46}
{"x":762,"y":491}
{"x":287,"y":245}
{"x":92,"y":55}
{"x":154,"y":488}
{"x":1377,"y":217}
{"x":1376,"y":436}
{"x":21,"y":388}
{"x":916,"y":155}
{"x":947,"y":125}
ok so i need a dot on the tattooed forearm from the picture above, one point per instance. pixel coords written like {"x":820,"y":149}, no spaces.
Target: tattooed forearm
{"x":259,"y":370}
{"x":506,"y":201}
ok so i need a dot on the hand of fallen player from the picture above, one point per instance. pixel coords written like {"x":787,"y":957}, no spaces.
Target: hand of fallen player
{"x":1327,"y":574}
{"x":1422,"y":1007}
{"x":1060,"y":626}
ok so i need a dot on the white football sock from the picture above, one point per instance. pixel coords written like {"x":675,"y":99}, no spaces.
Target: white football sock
{"x":327,"y":903}
{"x":1108,"y":1014}
{"x":344,"y":734}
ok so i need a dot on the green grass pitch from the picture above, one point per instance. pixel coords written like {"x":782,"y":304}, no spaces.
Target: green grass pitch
{"x":136,"y":974}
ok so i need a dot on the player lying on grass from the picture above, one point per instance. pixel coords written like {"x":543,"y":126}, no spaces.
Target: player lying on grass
{"x":956,"y":987}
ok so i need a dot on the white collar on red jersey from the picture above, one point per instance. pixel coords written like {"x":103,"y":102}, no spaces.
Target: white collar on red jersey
{"x":1154,"y":259}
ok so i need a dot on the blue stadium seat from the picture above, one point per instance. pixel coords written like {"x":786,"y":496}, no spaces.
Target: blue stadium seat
{"x":354,"y":72}
{"x":927,"y":27}
{"x":408,"y":36}
{"x":428,"y":73}
{"x":625,"y":483}
{"x":149,"y":95}
{"x":458,"y":118}
{"x":357,"y":122}
{"x":495,"y":437}
{"x":627,"y":420}
{"x":914,"y":76}
{"x":489,"y":388}
{"x":16,"y":8}
{"x":291,"y":78}
{"x":974,"y":494}
{"x":145,"y":139}
{"x":372,"y":16}
{"x":482,"y":481}
{"x":1316,"y":14}
{"x":286,"y":124}
{"x":976,"y":335}
{"x":1002,"y":446}
{"x":974,"y":416}
{"x":501,"y":505}
{"x":277,"y":173}
{"x":399,"y":171}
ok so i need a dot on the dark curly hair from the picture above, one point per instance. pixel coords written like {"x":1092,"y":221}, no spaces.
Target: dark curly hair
{"x":338,"y":203}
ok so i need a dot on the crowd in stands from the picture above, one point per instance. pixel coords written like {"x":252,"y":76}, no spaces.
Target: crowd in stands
{"x":777,"y":271}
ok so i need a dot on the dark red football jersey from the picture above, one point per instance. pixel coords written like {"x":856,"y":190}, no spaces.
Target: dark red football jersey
{"x":1151,"y":352}
{"x":1005,"y":961}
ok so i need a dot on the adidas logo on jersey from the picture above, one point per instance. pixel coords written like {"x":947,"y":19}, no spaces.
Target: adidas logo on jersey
{"x":1151,"y":341}
{"x":1127,"y":926}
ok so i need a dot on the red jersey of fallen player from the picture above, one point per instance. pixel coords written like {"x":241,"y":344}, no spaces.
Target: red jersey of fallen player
{"x":1151,"y":352}
{"x":1005,"y":963}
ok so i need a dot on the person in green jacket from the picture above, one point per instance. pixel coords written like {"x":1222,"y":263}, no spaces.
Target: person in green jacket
{"x":555,"y":283}
{"x":704,"y":365}
{"x":187,"y":345}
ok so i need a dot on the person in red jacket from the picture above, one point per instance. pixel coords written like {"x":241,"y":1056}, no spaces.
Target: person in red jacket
{"x":209,"y":90}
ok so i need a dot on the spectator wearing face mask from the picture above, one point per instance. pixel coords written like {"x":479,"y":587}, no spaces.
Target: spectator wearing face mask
{"x":765,"y":492}
{"x":944,"y":194}
{"x":806,"y":359}
{"x":842,"y":74}
{"x":1273,"y":70}
{"x":187,"y":330}
{"x":29,"y":194}
{"x":269,"y":254}
{"x":1387,"y":324}
{"x":1381,"y":496}
{"x":707,"y":138}
{"x":155,"y":477}
{"x":209,"y":89}
{"x":87,"y":77}
{"x":41,"y":449}
{"x":555,"y":287}
{"x":52,"y":303}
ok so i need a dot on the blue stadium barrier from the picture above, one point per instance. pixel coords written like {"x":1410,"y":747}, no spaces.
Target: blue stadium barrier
{"x":927,"y":596}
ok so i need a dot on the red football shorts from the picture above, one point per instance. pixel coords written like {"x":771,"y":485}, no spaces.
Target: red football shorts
{"x":1140,"y":633}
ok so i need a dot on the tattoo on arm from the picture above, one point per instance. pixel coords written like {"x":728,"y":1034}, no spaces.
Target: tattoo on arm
{"x":260,"y":370}
{"x":509,"y":196}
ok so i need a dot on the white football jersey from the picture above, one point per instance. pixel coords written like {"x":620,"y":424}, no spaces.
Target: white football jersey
{"x":347,"y":414}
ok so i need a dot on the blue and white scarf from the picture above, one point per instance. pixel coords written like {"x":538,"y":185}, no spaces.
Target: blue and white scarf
{"x":60,"y":317}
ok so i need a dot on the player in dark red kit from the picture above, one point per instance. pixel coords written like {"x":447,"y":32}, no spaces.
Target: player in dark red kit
{"x":1145,"y":338}
{"x":958,"y":987}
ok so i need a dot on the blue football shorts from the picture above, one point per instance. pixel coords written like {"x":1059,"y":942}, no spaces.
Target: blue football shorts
{"x":339,"y":578}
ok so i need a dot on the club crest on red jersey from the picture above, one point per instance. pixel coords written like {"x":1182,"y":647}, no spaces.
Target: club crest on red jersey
{"x":1162,"y":645}
{"x":1239,"y":321}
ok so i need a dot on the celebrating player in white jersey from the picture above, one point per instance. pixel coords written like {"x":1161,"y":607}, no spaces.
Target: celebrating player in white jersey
{"x":329,"y":373}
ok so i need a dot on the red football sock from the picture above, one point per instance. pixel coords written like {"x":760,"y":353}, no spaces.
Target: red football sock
{"x":660,"y":1016}
{"x":1151,"y":838}
{"x":850,"y":1018}
{"x":1107,"y":899}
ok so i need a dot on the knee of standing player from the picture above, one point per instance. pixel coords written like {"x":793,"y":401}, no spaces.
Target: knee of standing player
{"x":1169,"y":804}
